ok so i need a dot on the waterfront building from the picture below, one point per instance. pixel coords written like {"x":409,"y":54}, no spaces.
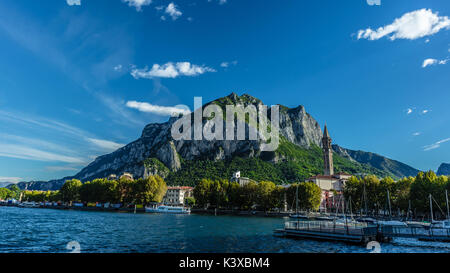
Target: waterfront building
{"x":127,"y":176}
{"x":175,"y":196}
{"x":112,"y":177}
{"x":239,"y":179}
{"x":330,"y":183}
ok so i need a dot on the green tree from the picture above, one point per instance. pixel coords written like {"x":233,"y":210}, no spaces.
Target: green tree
{"x":5,"y":193}
{"x":151,"y":189}
{"x":15,"y":192}
{"x":265,"y":196}
{"x":70,"y":191}
{"x":309,"y":195}
{"x":189,"y":201}
{"x":202,"y":192}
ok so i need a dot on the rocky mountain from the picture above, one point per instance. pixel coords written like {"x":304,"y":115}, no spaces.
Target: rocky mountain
{"x":297,"y":157}
{"x":393,"y":167}
{"x":444,"y":169}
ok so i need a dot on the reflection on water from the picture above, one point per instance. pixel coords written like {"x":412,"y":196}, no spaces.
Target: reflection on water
{"x":45,"y":230}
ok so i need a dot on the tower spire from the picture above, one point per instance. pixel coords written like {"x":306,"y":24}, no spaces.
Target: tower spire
{"x":327,"y":152}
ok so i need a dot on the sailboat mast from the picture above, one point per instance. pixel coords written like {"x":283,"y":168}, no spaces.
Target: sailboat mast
{"x":448,"y":210}
{"x":409,"y":210}
{"x":389,"y":204}
{"x":365,"y":198}
{"x":431,"y":209}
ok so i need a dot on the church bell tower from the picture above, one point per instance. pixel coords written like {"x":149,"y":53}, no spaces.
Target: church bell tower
{"x":327,"y":153}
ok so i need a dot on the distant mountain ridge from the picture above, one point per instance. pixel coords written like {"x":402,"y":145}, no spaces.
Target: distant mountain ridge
{"x":394,"y":167}
{"x":298,"y":156}
{"x":5,"y":184}
{"x":444,"y":169}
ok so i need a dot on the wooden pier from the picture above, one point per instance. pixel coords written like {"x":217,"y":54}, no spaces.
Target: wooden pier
{"x":420,"y":233}
{"x":359,"y":233}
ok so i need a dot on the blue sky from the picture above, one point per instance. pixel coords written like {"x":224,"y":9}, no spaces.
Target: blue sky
{"x":75,"y":75}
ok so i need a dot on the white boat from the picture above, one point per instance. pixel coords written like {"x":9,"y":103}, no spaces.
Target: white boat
{"x":392,"y":223}
{"x":441,"y":224}
{"x":168,"y":210}
{"x":29,"y":205}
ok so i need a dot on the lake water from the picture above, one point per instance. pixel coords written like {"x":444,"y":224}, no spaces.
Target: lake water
{"x":46,"y":230}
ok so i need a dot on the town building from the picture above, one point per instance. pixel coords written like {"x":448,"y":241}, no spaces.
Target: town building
{"x":331,"y":184}
{"x":112,"y":177}
{"x":239,"y":179}
{"x":127,"y":176}
{"x":175,"y":196}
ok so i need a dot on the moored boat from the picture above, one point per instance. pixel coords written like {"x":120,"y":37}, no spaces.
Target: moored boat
{"x":168,"y":210}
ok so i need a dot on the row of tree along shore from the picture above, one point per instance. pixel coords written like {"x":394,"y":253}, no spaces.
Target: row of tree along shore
{"x":368,"y":194}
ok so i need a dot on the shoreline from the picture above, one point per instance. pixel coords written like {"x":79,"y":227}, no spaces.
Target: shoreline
{"x":142,"y":210}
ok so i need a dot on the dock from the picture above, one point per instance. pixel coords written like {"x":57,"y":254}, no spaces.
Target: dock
{"x":420,"y":233}
{"x":358,"y":233}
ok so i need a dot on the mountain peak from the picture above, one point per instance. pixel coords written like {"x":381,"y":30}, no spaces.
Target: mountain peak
{"x":234,"y":98}
{"x":444,"y":169}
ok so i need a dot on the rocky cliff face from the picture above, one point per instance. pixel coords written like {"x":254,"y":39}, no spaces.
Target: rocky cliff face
{"x":156,"y":142}
{"x":144,"y":156}
{"x":395,"y":168}
{"x":444,"y":169}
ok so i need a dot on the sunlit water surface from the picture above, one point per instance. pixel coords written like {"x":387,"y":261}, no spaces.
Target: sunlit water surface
{"x":46,"y":230}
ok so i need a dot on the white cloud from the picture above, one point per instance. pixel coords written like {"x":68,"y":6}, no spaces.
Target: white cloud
{"x":435,"y":145}
{"x":409,"y":111}
{"x":105,"y":144}
{"x":429,"y":62}
{"x":171,"y":70}
{"x":60,"y":168}
{"x":118,"y":67}
{"x":156,"y":109}
{"x":138,"y":4}
{"x":24,"y":152}
{"x":10,"y":179}
{"x":221,"y":2}
{"x":425,"y":111}
{"x":416,"y":134}
{"x":172,"y":10}
{"x":411,"y":25}
{"x":73,"y":2}
{"x":227,"y":64}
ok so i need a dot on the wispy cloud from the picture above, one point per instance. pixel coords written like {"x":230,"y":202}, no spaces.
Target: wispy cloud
{"x":35,"y":148}
{"x":227,"y":64}
{"x":138,"y":4}
{"x":10,"y":179}
{"x":411,"y":25}
{"x":24,"y":152}
{"x":73,"y":2}
{"x":435,"y":145}
{"x":156,"y":109}
{"x":416,"y":134}
{"x":173,"y":11}
{"x":409,"y":111}
{"x":60,"y":168}
{"x":221,"y":2}
{"x":171,"y":70}
{"x":106,"y":144}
